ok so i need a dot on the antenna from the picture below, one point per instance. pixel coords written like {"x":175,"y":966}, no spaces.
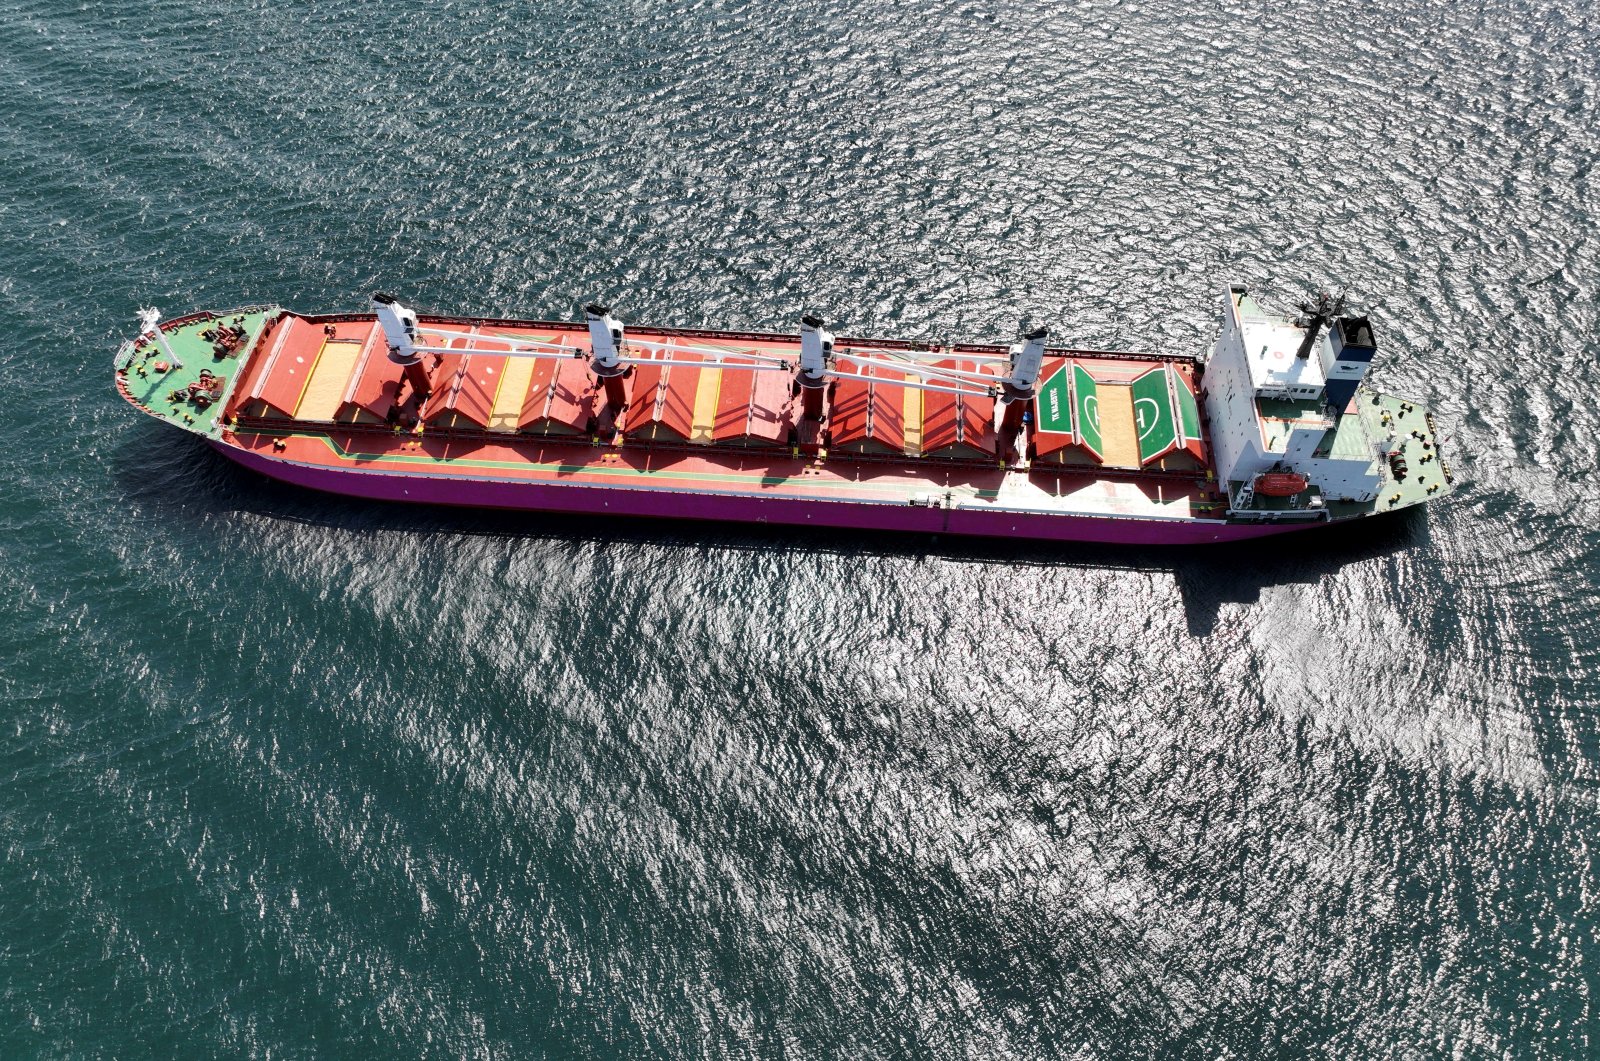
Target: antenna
{"x":1314,"y":316}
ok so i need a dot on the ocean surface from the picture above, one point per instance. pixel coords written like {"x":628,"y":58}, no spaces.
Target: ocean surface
{"x":285,"y":775}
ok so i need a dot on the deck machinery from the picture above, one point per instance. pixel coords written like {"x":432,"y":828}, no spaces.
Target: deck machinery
{"x":1274,"y":430}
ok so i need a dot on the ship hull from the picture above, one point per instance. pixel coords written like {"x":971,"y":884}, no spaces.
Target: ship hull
{"x":713,"y":426}
{"x":657,"y":503}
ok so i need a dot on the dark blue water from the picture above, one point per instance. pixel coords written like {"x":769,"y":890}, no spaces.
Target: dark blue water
{"x":283,"y":775}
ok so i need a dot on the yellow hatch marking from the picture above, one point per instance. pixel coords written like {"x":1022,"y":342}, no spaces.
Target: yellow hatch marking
{"x":324,"y":388}
{"x":509,"y":396}
{"x":705,"y":404}
{"x":913,"y":419}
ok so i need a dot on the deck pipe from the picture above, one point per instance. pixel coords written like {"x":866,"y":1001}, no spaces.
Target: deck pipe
{"x":399,"y":326}
{"x":816,"y":344}
{"x":605,"y":340}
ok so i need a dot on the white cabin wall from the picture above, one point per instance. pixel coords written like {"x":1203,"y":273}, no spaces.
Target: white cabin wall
{"x":1231,"y":387}
{"x":1302,"y":443}
{"x":1340,"y":478}
{"x":1231,"y":403}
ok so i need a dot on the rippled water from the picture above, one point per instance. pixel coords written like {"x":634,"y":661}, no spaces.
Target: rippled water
{"x":286,"y":775}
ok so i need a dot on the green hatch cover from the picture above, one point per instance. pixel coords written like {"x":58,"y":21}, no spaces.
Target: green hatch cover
{"x":1152,"y":411}
{"x":1188,"y":409}
{"x":1086,"y":406}
{"x":1055,"y":404}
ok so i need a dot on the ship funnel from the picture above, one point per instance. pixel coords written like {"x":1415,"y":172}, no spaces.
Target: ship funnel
{"x":605,"y":336}
{"x":1026,"y":360}
{"x":1345,"y":358}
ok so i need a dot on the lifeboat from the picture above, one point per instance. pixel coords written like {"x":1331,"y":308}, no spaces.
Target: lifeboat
{"x":1280,"y":484}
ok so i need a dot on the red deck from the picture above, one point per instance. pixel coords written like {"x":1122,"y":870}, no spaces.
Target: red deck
{"x":689,"y":427}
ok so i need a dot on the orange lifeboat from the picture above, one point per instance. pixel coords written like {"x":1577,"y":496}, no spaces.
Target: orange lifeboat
{"x":1280,"y":484}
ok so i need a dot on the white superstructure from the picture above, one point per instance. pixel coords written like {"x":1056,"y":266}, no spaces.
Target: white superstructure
{"x":1278,"y":393}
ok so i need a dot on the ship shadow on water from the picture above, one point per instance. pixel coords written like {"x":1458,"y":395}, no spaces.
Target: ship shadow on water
{"x":179,"y":475}
{"x":1211,"y":577}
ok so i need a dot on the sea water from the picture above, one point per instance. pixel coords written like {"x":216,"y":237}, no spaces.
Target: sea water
{"x":287,"y":775}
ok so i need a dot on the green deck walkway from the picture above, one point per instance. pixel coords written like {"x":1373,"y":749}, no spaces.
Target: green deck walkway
{"x":166,"y":394}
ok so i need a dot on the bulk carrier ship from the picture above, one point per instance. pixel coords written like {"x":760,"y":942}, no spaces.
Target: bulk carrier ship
{"x":1273,"y":431}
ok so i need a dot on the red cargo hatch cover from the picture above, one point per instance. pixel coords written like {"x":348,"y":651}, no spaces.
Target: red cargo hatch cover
{"x":752,"y":406}
{"x":560,"y":398}
{"x":866,"y":415}
{"x":957,"y":425}
{"x":661,"y":403}
{"x":288,"y":364}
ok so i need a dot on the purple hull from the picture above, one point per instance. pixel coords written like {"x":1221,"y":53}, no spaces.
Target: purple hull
{"x":745,"y":508}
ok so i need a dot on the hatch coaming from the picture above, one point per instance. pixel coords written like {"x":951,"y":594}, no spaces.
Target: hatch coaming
{"x":334,"y":370}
